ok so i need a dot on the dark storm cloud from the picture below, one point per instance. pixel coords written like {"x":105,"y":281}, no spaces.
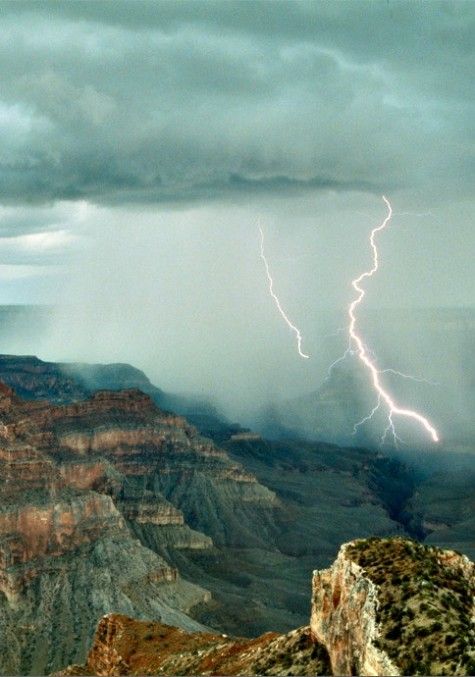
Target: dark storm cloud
{"x":138,"y":101}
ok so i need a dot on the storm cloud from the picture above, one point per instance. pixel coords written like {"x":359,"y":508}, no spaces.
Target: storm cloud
{"x":141,"y":141}
{"x":162,"y":101}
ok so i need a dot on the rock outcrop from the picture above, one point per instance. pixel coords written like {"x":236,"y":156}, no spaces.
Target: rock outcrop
{"x":247,"y":520}
{"x":344,"y":618}
{"x":60,"y":383}
{"x":125,"y":646}
{"x":393,"y":606}
{"x":356,"y":606}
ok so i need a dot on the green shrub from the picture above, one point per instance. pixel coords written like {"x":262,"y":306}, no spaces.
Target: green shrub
{"x":394,"y":632}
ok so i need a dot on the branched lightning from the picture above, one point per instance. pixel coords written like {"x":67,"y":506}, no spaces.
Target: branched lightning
{"x":368,"y":417}
{"x":361,"y":351}
{"x":277,"y":302}
{"x":343,"y":357}
{"x":408,"y":376}
{"x":414,"y":213}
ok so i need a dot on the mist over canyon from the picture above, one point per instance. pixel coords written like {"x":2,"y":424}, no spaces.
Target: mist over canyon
{"x":433,"y":345}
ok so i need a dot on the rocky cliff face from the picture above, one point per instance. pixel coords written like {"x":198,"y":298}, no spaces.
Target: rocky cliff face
{"x":34,"y":379}
{"x":121,"y":444}
{"x":196,"y":506}
{"x":176,"y":502}
{"x":85,"y":522}
{"x":392,"y":607}
{"x":356,"y":606}
{"x":30,"y":533}
{"x":344,"y":619}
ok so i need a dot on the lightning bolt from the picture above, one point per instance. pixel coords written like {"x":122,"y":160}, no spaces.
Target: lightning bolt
{"x":368,"y":417}
{"x":277,"y":302}
{"x":348,"y":352}
{"x":355,"y":340}
{"x":408,"y":376}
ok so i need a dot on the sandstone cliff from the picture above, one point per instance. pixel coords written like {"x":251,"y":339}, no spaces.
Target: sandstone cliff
{"x":344,"y":618}
{"x":203,"y":511}
{"x":34,"y":379}
{"x":197,"y":506}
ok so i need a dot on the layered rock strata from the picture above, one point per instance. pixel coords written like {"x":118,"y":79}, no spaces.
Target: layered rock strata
{"x":83,"y":498}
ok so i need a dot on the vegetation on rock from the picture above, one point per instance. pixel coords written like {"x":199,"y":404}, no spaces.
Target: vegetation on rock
{"x":125,"y":646}
{"x":425,"y":604}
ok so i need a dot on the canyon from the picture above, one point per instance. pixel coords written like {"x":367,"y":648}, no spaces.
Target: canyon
{"x":112,"y":503}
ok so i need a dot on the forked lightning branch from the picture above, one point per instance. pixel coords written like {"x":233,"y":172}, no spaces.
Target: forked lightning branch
{"x":357,"y":346}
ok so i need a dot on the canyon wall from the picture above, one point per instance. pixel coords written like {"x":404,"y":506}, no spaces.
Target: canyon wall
{"x":351,"y":632}
{"x":85,"y":522}
{"x":344,"y":619}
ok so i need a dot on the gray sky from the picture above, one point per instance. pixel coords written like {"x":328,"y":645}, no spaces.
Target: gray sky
{"x":140,"y":142}
{"x":130,"y":101}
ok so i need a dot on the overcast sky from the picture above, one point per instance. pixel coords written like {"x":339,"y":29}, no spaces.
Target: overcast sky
{"x":137,"y":103}
{"x":141,"y":141}
{"x":115,"y":102}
